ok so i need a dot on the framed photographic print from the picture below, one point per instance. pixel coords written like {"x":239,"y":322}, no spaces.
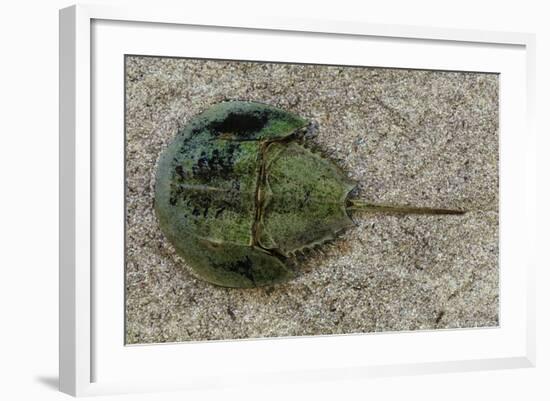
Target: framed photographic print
{"x":274,"y":200}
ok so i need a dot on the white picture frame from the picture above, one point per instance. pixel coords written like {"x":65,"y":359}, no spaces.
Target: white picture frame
{"x":93,"y":357}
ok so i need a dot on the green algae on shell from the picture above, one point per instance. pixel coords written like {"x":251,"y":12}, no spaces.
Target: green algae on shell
{"x":238,"y":194}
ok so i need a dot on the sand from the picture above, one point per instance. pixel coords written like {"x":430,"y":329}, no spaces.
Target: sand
{"x":408,"y":137}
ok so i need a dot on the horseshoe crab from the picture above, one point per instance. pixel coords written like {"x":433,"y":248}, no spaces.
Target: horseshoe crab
{"x":238,"y":194}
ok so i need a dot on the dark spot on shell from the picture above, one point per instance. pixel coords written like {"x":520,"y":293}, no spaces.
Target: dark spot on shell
{"x":179,"y":171}
{"x":242,"y":124}
{"x":242,"y":267}
{"x":216,"y":164}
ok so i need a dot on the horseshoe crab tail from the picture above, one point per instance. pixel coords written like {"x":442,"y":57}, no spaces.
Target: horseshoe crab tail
{"x":366,"y":207}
